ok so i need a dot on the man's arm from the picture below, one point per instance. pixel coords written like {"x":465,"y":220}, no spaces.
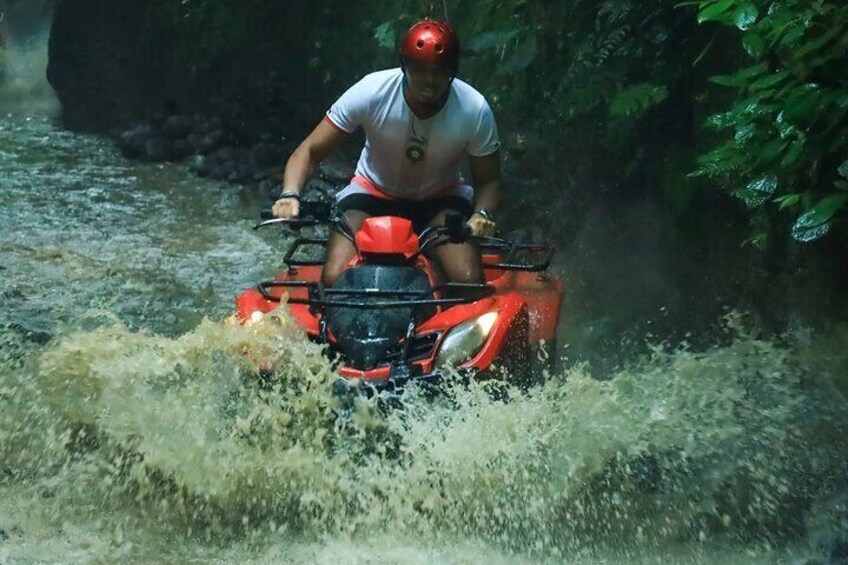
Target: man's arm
{"x":320,"y":144}
{"x":486,"y":173}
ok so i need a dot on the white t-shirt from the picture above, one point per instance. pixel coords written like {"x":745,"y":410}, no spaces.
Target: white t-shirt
{"x":404,"y":155}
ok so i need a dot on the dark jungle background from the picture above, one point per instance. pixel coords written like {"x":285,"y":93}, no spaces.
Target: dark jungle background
{"x":688,"y":159}
{"x":688,"y":156}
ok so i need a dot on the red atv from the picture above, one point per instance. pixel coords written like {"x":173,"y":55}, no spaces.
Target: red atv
{"x":389,"y":318}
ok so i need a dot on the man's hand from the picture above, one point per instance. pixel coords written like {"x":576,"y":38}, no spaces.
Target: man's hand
{"x":481,"y":225}
{"x":287,"y":207}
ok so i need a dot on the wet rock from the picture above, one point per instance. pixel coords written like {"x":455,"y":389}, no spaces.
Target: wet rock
{"x":273,"y":173}
{"x":207,"y":124}
{"x":199,"y":164}
{"x":225,"y":154}
{"x":132,"y":141}
{"x":239,"y":172}
{"x":177,"y":127}
{"x":324,"y":187}
{"x":336,"y":170}
{"x":180,"y":149}
{"x":270,"y":188}
{"x":266,"y":155}
{"x":210,"y":142}
{"x":156,"y":149}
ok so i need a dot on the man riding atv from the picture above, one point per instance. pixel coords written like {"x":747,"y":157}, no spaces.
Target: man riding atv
{"x":420,"y":124}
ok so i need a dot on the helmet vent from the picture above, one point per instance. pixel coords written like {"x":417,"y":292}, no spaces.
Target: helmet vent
{"x":439,"y":47}
{"x":420,"y":44}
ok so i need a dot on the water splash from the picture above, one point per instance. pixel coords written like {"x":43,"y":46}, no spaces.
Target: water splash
{"x":131,"y":432}
{"x":175,"y":434}
{"x":23,"y":77}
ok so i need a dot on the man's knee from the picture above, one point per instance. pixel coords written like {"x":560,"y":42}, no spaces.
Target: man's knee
{"x":339,"y":254}
{"x":462,"y":267}
{"x":329,"y":274}
{"x":466,"y":276}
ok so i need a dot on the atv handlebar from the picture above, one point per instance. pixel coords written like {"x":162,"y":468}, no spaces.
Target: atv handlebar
{"x":312,"y":213}
{"x":454,"y":230}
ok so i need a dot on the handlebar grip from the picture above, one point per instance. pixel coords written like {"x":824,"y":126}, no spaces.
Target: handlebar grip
{"x":266,"y":214}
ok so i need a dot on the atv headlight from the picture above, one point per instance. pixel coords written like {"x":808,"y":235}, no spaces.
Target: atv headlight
{"x":465,"y":340}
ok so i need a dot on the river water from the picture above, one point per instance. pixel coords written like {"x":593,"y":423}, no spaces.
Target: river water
{"x":132,"y":430}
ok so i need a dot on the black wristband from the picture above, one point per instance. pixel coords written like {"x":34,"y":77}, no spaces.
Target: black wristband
{"x":289,"y":194}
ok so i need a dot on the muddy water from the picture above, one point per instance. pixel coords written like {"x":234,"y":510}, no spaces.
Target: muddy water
{"x":132,"y":430}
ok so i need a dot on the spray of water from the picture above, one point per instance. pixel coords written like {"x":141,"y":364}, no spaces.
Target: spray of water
{"x":182,"y":435}
{"x":23,"y":79}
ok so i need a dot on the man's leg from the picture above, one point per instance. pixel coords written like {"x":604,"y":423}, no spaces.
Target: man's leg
{"x":460,"y":262}
{"x":339,"y":248}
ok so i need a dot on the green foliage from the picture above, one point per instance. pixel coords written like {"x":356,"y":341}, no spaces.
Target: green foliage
{"x":789,"y":120}
{"x":385,"y":35}
{"x":598,"y":96}
{"x":816,"y":221}
{"x":637,"y":99}
{"x":208,"y":29}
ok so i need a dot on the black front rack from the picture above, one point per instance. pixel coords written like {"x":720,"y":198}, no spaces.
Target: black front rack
{"x":289,"y":259}
{"x":335,"y":298}
{"x":510,"y":249}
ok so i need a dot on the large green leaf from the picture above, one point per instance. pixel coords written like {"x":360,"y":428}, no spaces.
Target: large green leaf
{"x":723,"y":120}
{"x":745,"y":15}
{"x":636,"y":99}
{"x":786,"y":128}
{"x":803,"y":102}
{"x":754,"y":44}
{"x":766,"y":184}
{"x":819,"y":42}
{"x":815,"y":223}
{"x":385,"y":35}
{"x":793,"y":154}
{"x":715,"y":11}
{"x":770,"y":80}
{"x":751,"y":198}
{"x":741,"y":78}
{"x":758,"y":191}
{"x":771,"y":150}
{"x":725,"y":159}
{"x":744,"y":132}
{"x":788,"y":200}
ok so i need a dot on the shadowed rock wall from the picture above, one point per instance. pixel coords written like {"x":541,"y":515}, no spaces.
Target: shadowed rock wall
{"x":106,"y":66}
{"x":262,"y":67}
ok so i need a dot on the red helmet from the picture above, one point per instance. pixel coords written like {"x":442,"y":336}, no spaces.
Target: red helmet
{"x":431,"y":41}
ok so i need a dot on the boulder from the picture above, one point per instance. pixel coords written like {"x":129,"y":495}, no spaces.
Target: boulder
{"x":177,"y":127}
